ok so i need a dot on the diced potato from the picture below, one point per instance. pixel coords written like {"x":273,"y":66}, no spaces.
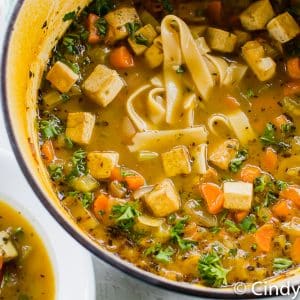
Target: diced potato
{"x":254,"y":54}
{"x":80,"y":126}
{"x":154,"y":55}
{"x":257,"y":15}
{"x":100,"y":164}
{"x":292,"y":227}
{"x":238,"y":195}
{"x":103,"y":85}
{"x":283,"y":28}
{"x":242,"y":37}
{"x":147,"y":34}
{"x":117,"y":21}
{"x":52,"y":99}
{"x":7,"y":248}
{"x":224,"y":153}
{"x":176,"y":161}
{"x":62,"y":77}
{"x":163,"y":199}
{"x":221,"y":40}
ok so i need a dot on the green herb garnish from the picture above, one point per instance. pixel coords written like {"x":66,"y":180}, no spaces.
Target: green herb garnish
{"x":69,"y":16}
{"x":236,"y":163}
{"x":249,"y":224}
{"x":55,"y":172}
{"x":231,"y":226}
{"x":51,"y":128}
{"x":281,"y":264}
{"x":141,"y":39}
{"x":102,"y":26}
{"x":163,"y":255}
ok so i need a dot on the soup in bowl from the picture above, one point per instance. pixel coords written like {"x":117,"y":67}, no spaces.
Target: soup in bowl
{"x":167,"y":133}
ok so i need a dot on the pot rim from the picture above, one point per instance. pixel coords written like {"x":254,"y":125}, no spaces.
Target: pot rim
{"x":122,"y":265}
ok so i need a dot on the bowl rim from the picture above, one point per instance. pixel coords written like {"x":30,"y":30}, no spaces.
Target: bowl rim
{"x":114,"y":261}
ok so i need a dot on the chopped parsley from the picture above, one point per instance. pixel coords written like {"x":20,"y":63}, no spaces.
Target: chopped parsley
{"x":132,"y":28}
{"x":69,"y":16}
{"x":211,"y":270}
{"x":250,"y":93}
{"x":249,"y":224}
{"x":163,"y":255}
{"x":86,"y":198}
{"x":281,"y":185}
{"x":79,"y":165}
{"x":56,"y":172}
{"x":140,"y":39}
{"x":233,"y":252}
{"x":236,"y":163}
{"x":231,"y":226}
{"x":281,"y":264}
{"x":102,"y":26}
{"x":288,"y":128}
{"x":101,"y":7}
{"x":260,"y":184}
{"x":51,"y":127}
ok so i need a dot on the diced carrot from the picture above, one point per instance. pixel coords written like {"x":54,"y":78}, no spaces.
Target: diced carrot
{"x":293,"y":67}
{"x":280,"y":120}
{"x":214,"y":11}
{"x":116,"y":174}
{"x":231,"y":102}
{"x":134,"y":182}
{"x":1,"y":262}
{"x":264,"y":236}
{"x":249,"y":173}
{"x":48,"y":152}
{"x":292,"y":88}
{"x":269,"y":160}
{"x":241,"y":215}
{"x":94,"y":36}
{"x":120,"y":58}
{"x":213,"y":196}
{"x":102,"y":206}
{"x":283,"y":208}
{"x":295,"y":251}
{"x":291,"y":193}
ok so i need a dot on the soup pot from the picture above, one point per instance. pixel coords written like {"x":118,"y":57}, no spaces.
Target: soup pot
{"x":33,"y":30}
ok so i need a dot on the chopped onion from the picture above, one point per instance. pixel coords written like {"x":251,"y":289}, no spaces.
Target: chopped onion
{"x":147,"y":155}
{"x":149,"y":221}
{"x":292,"y":228}
{"x":141,"y":192}
{"x":116,"y":189}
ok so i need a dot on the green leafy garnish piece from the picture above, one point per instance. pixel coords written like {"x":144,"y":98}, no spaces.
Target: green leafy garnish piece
{"x":101,"y":7}
{"x":281,"y":264}
{"x":125,"y":215}
{"x":236,"y":163}
{"x":102,"y":26}
{"x":132,"y":28}
{"x":281,"y":185}
{"x":250,"y":93}
{"x":70,"y":43}
{"x":79,"y":165}
{"x":163,"y":255}
{"x":215,"y":229}
{"x":55,"y":172}
{"x":231,"y":226}
{"x":180,"y":69}
{"x":69,"y":16}
{"x":233,"y":252}
{"x":249,"y":224}
{"x":270,"y":198}
{"x":168,"y":7}
{"x":260,"y":184}
{"x":141,"y":39}
{"x":51,"y":128}
{"x":288,"y":128}
{"x":211,"y":270}
{"x":86,"y":198}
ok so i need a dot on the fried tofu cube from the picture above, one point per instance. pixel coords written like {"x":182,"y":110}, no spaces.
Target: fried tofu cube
{"x":117,"y":21}
{"x":154,"y":55}
{"x":103,"y":85}
{"x":283,"y":28}
{"x":176,"y":161}
{"x":80,"y":126}
{"x":163,"y":199}
{"x":142,"y":39}
{"x":257,"y":15}
{"x":238,"y":195}
{"x":224,"y":153}
{"x":221,"y":40}
{"x":263,"y":67}
{"x":100,"y":164}
{"x":62,"y":77}
{"x":7,"y":248}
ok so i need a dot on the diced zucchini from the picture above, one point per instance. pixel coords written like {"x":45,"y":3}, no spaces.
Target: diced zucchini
{"x":85,"y":184}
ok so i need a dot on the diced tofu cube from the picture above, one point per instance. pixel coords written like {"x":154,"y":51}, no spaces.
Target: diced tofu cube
{"x":163,"y":199}
{"x":257,"y":15}
{"x":283,"y":28}
{"x":62,"y":77}
{"x":103,"y":85}
{"x":142,"y":39}
{"x":254,"y":54}
{"x":100,"y":164}
{"x":221,"y":40}
{"x":117,"y":21}
{"x":7,"y":248}
{"x":242,"y":37}
{"x":80,"y":126}
{"x":176,"y":161}
{"x":224,"y":153}
{"x":238,"y":195}
{"x":154,"y":55}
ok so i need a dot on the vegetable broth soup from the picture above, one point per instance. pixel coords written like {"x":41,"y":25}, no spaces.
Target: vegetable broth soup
{"x":170,"y":130}
{"x":26,"y":272}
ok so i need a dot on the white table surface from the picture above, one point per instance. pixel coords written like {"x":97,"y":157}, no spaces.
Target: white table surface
{"x":111,"y":283}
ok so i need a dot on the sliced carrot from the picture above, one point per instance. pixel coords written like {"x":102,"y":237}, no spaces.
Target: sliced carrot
{"x":94,"y":36}
{"x":279,"y":121}
{"x":116,"y":174}
{"x":249,"y":173}
{"x":48,"y":152}
{"x":292,"y":193}
{"x":293,"y":67}
{"x":269,"y":160}
{"x":102,"y":206}
{"x":240,"y":215}
{"x":121,"y":58}
{"x":231,"y":102}
{"x":264,"y":236}
{"x":134,"y":182}
{"x":284,"y":208}
{"x":214,"y":11}
{"x":214,"y":197}
{"x":295,"y":251}
{"x":292,"y":88}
